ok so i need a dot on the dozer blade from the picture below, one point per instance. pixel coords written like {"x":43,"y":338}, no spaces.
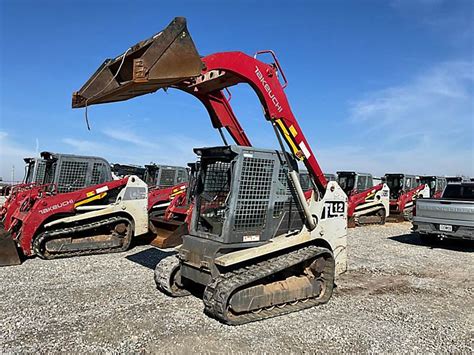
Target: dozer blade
{"x":168,"y":234}
{"x":167,"y":58}
{"x":8,"y":251}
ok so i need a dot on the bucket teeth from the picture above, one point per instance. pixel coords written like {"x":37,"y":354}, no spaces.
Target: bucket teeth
{"x":163,"y":60}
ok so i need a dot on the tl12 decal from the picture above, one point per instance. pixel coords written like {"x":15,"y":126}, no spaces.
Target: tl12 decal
{"x":333,"y":209}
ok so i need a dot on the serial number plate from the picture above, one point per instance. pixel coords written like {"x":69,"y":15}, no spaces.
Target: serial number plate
{"x":445,"y":228}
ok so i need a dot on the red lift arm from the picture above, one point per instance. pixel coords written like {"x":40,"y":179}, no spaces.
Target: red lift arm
{"x":170,"y":59}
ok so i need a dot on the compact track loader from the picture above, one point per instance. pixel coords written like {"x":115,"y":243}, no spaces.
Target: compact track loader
{"x":93,"y":220}
{"x":119,"y":171}
{"x":436,"y":184}
{"x":367,"y":204}
{"x":167,"y":185}
{"x":61,"y":172}
{"x":256,"y":244}
{"x":330,"y":177}
{"x":50,"y":177}
{"x":404,"y":190}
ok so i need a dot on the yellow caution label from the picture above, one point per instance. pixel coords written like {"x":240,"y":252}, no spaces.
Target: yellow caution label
{"x":177,"y":193}
{"x":90,"y":193}
{"x":294,"y":147}
{"x":293,"y":131}
{"x":90,"y":199}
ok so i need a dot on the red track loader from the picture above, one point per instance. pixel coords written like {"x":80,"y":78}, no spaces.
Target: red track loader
{"x":404,"y":190}
{"x":367,"y":204}
{"x":57,"y":173}
{"x":120,"y":171}
{"x":256,"y":244}
{"x":436,"y":184}
{"x":167,"y":185}
{"x":98,"y":219}
{"x":51,"y":176}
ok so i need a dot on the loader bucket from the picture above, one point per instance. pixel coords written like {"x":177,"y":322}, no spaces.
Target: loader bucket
{"x":158,"y":62}
{"x":167,"y":234}
{"x":8,"y":251}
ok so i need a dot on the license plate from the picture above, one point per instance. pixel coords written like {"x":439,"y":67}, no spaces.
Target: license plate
{"x":445,"y":228}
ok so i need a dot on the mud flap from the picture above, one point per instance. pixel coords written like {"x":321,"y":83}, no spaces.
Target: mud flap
{"x":167,"y":58}
{"x":167,"y":234}
{"x":8,"y":251}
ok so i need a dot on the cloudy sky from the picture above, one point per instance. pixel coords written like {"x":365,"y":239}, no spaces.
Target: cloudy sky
{"x":377,"y":86}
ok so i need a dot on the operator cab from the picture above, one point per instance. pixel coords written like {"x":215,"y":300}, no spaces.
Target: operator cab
{"x":330,"y":177}
{"x":251,"y":208}
{"x":162,"y":176}
{"x":34,"y":170}
{"x":353,"y":182}
{"x":73,"y":172}
{"x":305,"y":180}
{"x":400,"y":183}
{"x":459,"y":191}
{"x":451,"y":179}
{"x":122,"y":170}
{"x":436,"y":184}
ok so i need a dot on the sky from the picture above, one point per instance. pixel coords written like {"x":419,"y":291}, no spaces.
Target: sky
{"x":377,"y":86}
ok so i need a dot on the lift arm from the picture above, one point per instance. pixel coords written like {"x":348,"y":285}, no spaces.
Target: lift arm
{"x":226,"y":69}
{"x":170,"y":59}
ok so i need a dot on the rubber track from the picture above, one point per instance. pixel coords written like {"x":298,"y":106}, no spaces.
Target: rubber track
{"x":358,"y":224}
{"x":164,"y":277}
{"x":219,"y":291}
{"x":63,"y":232}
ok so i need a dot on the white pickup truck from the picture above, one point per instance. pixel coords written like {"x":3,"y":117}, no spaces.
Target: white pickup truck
{"x":451,"y":216}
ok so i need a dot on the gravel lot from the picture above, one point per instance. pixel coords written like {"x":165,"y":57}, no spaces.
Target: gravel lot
{"x":398,"y":296}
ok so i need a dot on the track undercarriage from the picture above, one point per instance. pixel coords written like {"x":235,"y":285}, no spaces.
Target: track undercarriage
{"x":363,"y":220}
{"x":271,"y":287}
{"x":107,"y":235}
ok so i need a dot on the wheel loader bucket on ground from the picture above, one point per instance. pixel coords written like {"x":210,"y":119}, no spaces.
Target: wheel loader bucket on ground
{"x":158,"y":62}
{"x":8,"y":251}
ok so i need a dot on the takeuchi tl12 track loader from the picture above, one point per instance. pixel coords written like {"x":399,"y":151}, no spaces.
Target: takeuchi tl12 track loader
{"x":330,"y":177}
{"x":256,"y":244}
{"x":367,"y":204}
{"x":165,"y":184}
{"x":436,"y":184}
{"x":97,"y":219}
{"x":54,"y":173}
{"x":404,"y":190}
{"x":119,"y":171}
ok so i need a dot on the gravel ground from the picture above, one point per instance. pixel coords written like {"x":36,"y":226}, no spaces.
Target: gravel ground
{"x":398,"y":296}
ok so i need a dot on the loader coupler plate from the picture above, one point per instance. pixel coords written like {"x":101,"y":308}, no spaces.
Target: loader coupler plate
{"x":163,"y":60}
{"x":8,"y":251}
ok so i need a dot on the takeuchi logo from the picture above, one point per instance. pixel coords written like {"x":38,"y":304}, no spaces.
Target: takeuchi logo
{"x":56,"y":206}
{"x":268,"y":89}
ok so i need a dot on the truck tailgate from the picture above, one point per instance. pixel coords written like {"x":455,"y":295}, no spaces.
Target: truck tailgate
{"x":445,"y":211}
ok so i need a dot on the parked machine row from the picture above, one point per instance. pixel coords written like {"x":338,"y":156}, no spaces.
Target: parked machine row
{"x":259,"y":235}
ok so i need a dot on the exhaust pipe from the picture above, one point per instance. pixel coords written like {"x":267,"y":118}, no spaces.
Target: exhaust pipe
{"x":163,"y":60}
